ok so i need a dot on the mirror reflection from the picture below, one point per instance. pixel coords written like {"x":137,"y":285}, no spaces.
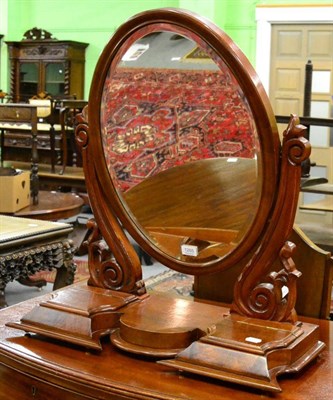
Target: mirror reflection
{"x":181,"y":146}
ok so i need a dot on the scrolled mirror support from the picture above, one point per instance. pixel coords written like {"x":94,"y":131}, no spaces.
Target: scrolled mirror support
{"x":114,"y":265}
{"x":265,"y":300}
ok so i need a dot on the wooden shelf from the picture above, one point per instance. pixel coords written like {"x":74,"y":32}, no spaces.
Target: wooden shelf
{"x":72,"y":178}
{"x":324,"y":188}
{"x":321,"y":205}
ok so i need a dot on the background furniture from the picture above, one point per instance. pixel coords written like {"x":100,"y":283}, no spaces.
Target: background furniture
{"x":40,"y":63}
{"x":22,"y":116}
{"x":28,"y":246}
{"x":53,"y":206}
{"x":68,"y":109}
{"x":16,"y":139}
{"x":54,"y":134}
{"x":71,"y":180}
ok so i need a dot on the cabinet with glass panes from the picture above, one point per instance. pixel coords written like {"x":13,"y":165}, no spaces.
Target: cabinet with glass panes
{"x":40,"y":63}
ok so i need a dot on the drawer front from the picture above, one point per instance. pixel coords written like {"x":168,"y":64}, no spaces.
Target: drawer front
{"x":25,"y":141}
{"x":15,"y":385}
{"x":16,"y":114}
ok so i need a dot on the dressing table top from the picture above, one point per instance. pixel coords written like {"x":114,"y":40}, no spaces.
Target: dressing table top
{"x":117,"y":375}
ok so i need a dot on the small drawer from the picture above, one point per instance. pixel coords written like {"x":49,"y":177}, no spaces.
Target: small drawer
{"x":16,"y":114}
{"x":15,"y":385}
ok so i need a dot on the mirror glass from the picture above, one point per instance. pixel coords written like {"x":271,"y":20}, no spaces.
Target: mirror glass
{"x":181,"y":144}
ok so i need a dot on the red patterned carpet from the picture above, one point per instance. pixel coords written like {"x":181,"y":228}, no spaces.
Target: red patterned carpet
{"x":162,"y":118}
{"x":169,"y":281}
{"x":80,"y":274}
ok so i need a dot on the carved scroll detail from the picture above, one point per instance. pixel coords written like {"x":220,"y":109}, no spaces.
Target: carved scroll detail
{"x":37,"y":34}
{"x":81,"y":130}
{"x":113,"y":263}
{"x":104,"y":269}
{"x":279,"y":289}
{"x":259,"y":297}
{"x":295,"y":146}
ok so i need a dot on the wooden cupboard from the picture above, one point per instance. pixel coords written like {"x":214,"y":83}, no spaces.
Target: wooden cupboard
{"x":40,"y":63}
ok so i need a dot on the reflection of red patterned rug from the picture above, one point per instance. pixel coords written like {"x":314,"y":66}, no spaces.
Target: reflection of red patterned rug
{"x":80,"y":274}
{"x":170,"y":281}
{"x":155,"y":119}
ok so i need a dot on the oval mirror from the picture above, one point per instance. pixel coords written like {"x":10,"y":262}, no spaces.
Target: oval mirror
{"x":189,"y":140}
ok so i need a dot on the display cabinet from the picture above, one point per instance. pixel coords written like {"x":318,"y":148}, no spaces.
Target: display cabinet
{"x":41,"y":63}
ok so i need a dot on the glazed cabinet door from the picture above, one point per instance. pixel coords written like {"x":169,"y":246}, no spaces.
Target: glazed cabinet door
{"x":29,"y":78}
{"x":46,"y":65}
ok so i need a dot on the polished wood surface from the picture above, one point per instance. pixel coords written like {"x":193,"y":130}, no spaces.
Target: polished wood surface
{"x":199,"y":194}
{"x":51,"y":370}
{"x":263,"y":302}
{"x":52,"y":206}
{"x":192,"y":202}
{"x":260,"y":339}
{"x":314,"y":287}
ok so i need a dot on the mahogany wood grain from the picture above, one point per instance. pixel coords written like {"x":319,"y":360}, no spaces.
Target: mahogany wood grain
{"x":198,"y":200}
{"x":50,"y":370}
{"x":258,"y":294}
{"x":199,"y":194}
{"x":313,"y":289}
{"x":282,"y":344}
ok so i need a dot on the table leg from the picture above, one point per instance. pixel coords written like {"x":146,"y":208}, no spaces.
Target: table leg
{"x":52,"y":145}
{"x":34,"y":169}
{"x":3,"y":302}
{"x":2,"y":145}
{"x":31,"y":283}
{"x":65,"y":274}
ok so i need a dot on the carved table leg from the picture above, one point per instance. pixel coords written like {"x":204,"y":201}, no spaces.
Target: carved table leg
{"x":3,"y":303}
{"x":31,"y":283}
{"x":65,"y":274}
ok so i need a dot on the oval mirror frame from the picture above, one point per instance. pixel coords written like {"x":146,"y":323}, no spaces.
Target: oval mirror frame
{"x":225,"y":49}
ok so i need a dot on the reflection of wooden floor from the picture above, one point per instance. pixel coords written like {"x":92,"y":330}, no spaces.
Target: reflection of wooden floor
{"x":72,"y":178}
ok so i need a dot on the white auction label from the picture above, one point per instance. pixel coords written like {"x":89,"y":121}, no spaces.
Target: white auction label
{"x":253,"y":340}
{"x":189,"y":250}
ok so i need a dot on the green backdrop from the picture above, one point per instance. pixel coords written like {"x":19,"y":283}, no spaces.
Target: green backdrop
{"x":94,"y":21}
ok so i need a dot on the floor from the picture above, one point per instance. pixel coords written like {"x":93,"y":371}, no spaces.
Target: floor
{"x":16,"y":293}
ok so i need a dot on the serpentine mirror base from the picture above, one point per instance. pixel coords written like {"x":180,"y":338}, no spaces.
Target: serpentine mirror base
{"x":193,"y":337}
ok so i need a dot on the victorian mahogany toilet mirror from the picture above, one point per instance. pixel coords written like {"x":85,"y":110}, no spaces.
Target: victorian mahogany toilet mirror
{"x":191,"y":149}
{"x":181,"y":150}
